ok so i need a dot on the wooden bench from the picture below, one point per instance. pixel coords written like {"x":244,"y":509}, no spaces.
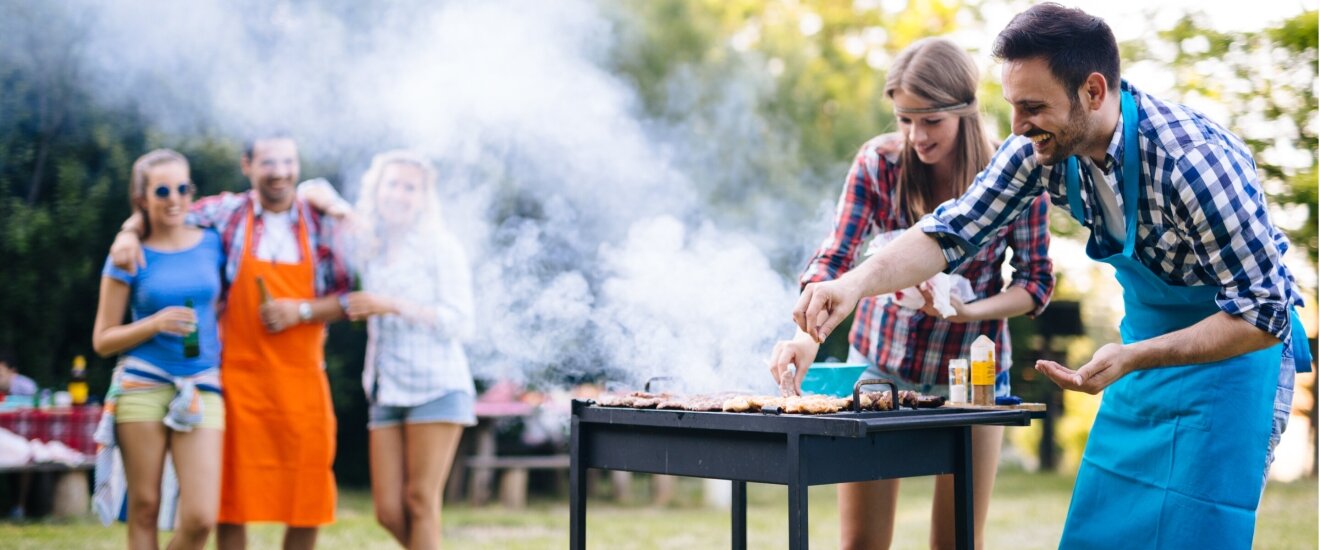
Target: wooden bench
{"x":513,"y":478}
{"x":71,"y":493}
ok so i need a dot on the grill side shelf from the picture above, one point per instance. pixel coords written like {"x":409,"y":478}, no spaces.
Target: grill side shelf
{"x":942,"y":418}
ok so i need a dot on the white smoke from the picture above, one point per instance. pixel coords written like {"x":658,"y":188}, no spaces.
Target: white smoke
{"x":583,"y":217}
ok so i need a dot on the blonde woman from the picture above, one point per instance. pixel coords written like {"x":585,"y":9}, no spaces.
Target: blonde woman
{"x":932,"y":85}
{"x":166,"y":389}
{"x":417,"y":299}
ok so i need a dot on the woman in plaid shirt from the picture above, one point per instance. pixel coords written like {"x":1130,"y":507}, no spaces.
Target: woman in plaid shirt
{"x":933,"y":87}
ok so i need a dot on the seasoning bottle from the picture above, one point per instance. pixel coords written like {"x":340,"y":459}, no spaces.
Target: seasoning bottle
{"x":191,"y":345}
{"x":957,"y":380}
{"x":983,"y":371}
{"x":78,"y":381}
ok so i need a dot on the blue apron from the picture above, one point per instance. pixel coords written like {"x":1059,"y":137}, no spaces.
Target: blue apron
{"x":1176,"y":457}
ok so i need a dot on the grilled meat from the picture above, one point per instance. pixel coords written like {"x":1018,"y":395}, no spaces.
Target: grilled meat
{"x":796,"y":404}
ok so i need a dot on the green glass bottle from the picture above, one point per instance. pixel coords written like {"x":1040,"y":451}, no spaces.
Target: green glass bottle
{"x":191,"y":345}
{"x":356,"y":286}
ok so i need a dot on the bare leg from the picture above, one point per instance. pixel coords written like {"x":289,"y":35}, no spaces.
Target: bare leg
{"x":431,"y":449}
{"x":300,"y":538}
{"x":986,"y":443}
{"x":387,"y":469}
{"x":197,"y":461}
{"x":866,"y":513}
{"x":143,"y":448}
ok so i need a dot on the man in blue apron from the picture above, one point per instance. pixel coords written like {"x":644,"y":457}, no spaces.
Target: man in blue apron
{"x":1197,"y":395}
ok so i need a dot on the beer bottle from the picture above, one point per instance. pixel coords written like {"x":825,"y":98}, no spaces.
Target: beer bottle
{"x":264,"y":292}
{"x":191,"y":346}
{"x":356,"y":286}
{"x":78,"y":381}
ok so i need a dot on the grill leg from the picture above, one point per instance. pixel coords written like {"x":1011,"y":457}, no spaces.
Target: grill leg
{"x":964,"y":520}
{"x":577,"y":491}
{"x":797,"y":496}
{"x":739,"y":508}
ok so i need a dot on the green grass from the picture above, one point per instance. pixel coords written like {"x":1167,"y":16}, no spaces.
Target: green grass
{"x":1027,"y":512}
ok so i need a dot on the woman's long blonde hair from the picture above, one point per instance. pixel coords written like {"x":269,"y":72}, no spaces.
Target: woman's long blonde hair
{"x":942,"y":74}
{"x":429,"y":221}
{"x":137,"y":180}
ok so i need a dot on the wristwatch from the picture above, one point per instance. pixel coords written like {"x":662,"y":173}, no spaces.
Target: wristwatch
{"x":305,"y":312}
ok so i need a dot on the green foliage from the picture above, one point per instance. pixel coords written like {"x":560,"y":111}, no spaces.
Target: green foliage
{"x":63,"y":180}
{"x":1266,"y":81}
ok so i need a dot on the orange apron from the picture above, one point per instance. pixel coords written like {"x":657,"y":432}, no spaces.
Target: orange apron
{"x":280,"y":425}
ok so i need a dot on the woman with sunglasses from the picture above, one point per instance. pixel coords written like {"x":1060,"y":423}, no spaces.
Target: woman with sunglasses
{"x":165,"y":393}
{"x":932,"y":85}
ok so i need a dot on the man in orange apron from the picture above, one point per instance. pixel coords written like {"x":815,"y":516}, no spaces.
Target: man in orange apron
{"x":283,"y":282}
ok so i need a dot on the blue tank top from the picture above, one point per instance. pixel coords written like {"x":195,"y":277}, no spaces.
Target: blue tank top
{"x":169,"y":279}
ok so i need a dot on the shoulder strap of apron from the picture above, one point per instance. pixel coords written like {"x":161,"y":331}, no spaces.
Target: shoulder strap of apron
{"x":1130,"y":182}
{"x":1072,"y":180}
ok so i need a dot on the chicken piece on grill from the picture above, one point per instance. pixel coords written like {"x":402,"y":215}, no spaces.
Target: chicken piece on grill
{"x":876,"y":401}
{"x":713,"y":403}
{"x":813,"y":404}
{"x":927,"y":401}
{"x":674,"y":402}
{"x":697,"y":403}
{"x":647,"y":401}
{"x":738,"y":404}
{"x":635,"y":400}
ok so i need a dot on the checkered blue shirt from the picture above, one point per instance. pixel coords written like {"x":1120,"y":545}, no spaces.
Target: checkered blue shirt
{"x":1202,"y":220}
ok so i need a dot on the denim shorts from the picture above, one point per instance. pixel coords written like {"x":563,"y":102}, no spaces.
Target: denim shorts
{"x":455,"y":407}
{"x":1002,"y":387}
{"x":1283,"y":396}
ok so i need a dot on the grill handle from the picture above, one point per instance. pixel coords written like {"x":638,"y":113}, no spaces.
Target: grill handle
{"x":857,"y":391}
{"x":647,"y":387}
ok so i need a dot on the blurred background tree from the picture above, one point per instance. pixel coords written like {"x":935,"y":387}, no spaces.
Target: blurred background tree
{"x":1263,"y":83}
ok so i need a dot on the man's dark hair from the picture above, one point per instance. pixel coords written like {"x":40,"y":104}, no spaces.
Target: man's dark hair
{"x":1073,"y":43}
{"x":250,"y":144}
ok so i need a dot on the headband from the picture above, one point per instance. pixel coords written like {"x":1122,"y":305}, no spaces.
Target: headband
{"x":926,"y":111}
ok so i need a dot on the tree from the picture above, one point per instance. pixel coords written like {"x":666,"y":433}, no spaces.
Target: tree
{"x":1265,"y":82}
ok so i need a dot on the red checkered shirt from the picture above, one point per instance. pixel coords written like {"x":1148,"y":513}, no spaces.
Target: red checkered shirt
{"x":918,"y":346}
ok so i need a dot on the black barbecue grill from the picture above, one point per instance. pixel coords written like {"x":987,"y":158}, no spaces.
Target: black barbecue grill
{"x":794,"y":450}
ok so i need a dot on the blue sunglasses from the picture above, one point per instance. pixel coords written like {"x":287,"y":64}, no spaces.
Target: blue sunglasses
{"x":185,"y":189}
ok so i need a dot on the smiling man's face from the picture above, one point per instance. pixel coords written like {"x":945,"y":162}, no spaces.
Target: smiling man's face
{"x":1042,"y":110}
{"x":273,"y":171}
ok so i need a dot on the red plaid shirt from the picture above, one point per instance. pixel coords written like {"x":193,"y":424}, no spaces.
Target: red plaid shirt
{"x":227,"y":214}
{"x":917,"y":346}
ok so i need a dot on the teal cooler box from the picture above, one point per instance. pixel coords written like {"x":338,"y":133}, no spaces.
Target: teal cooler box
{"x":836,"y":379}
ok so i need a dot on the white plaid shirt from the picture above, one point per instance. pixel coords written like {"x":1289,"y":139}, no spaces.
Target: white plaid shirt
{"x":418,"y":357}
{"x":1202,"y":220}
